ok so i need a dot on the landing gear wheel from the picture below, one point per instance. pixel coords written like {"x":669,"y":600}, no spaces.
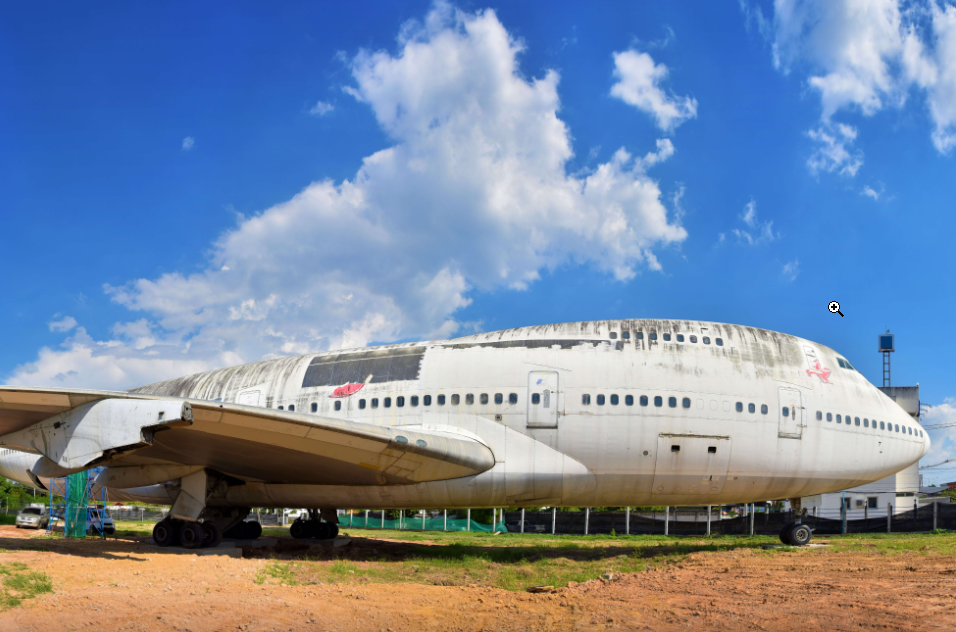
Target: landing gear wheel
{"x":191,"y":535}
{"x":301,"y":529}
{"x":333,"y":531}
{"x":785,"y":532}
{"x":212,"y":536}
{"x":321,"y":531}
{"x":251,"y":530}
{"x":165,"y":533}
{"x":800,"y":535}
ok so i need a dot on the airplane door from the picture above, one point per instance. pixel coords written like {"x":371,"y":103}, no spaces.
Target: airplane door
{"x":790,"y":412}
{"x":543,"y":399}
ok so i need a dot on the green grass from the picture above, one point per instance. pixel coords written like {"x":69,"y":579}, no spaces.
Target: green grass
{"x":18,"y":582}
{"x":8,"y":519}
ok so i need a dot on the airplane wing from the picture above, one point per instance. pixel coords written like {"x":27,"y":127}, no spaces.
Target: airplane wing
{"x":78,"y":429}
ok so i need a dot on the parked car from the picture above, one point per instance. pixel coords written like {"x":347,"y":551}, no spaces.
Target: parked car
{"x":33,"y":517}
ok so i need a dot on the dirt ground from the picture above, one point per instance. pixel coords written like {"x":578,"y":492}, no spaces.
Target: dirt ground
{"x":119,"y":585}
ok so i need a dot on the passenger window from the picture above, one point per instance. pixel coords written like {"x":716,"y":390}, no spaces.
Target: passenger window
{"x":856,"y":421}
{"x":441,"y":400}
{"x":455,"y":399}
{"x":639,"y":335}
{"x":626,"y":335}
{"x":839,"y":419}
{"x":846,"y":418}
{"x":686,"y":402}
{"x":400,"y":401}
{"x":469,"y":399}
{"x":882,"y":427}
{"x":513,"y":398}
{"x":652,"y":335}
{"x":786,"y":411}
{"x":672,"y":402}
{"x":374,"y":402}
{"x":909,"y":430}
{"x":629,"y":400}
{"x":693,"y":339}
{"x":819,"y":416}
{"x":751,"y":408}
{"x":536,"y":398}
{"x":680,"y":337}
{"x":483,"y":398}
{"x":719,"y":341}
{"x":667,"y":337}
{"x":499,"y":398}
{"x":614,"y":400}
{"x":600,"y":400}
{"x":362,"y":404}
{"x":643,"y":400}
{"x":897,"y":427}
{"x":866,"y":422}
{"x":586,"y":400}
{"x":292,"y":408}
{"x":763,"y":409}
{"x":427,"y":400}
{"x":414,"y":401}
{"x":706,"y":340}
{"x":338,"y":405}
{"x":281,"y":408}
{"x":658,"y":401}
{"x":315,"y":407}
{"x":613,"y":335}
{"x":387,"y":402}
{"x":829,"y":416}
{"x":740,"y":407}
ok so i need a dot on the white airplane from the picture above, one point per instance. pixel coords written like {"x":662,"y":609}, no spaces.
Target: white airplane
{"x":609,"y":413}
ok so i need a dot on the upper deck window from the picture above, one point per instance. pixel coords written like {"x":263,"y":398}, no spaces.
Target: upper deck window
{"x":680,"y":337}
{"x":667,"y":337}
{"x":686,"y":402}
{"x":614,"y":400}
{"x":672,"y":402}
{"x":441,"y":400}
{"x":400,"y":401}
{"x":643,"y":400}
{"x":613,"y":335}
{"x":374,"y":402}
{"x":706,"y":340}
{"x":693,"y":339}
{"x":427,"y":400}
{"x":338,"y":404}
{"x":387,"y":402}
{"x":629,"y":400}
{"x":626,"y":335}
{"x":658,"y":401}
{"x":652,"y":335}
{"x":639,"y":335}
{"x":361,"y":404}
{"x":315,"y":407}
{"x":414,"y":400}
{"x":719,"y":341}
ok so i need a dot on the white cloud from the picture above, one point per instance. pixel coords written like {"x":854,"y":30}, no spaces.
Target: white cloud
{"x":63,"y":324}
{"x":869,"y":191}
{"x":188,"y":143}
{"x":321,"y":108}
{"x":834,"y":152}
{"x":755,"y":231}
{"x":943,"y":441}
{"x":472,"y":193}
{"x":791,"y":270}
{"x":638,"y":79}
{"x":865,"y":55}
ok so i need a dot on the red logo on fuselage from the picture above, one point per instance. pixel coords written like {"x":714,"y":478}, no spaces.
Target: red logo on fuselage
{"x":823,"y":373}
{"x":345,"y":391}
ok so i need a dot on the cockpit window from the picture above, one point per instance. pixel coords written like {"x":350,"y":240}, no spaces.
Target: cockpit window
{"x":844,"y":364}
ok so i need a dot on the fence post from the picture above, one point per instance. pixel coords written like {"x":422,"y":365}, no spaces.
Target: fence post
{"x":751,"y":520}
{"x":627,"y":521}
{"x":366,"y":518}
{"x":445,"y":526}
{"x":710,"y":511}
{"x":554,"y":518}
{"x":469,"y":520}
{"x":587,"y":516}
{"x":667,"y":517}
{"x":889,"y":518}
{"x":866,"y":510}
{"x":843,"y":515}
{"x":383,"y":518}
{"x":423,"y":519}
{"x":522,"y":520}
{"x":935,"y":511}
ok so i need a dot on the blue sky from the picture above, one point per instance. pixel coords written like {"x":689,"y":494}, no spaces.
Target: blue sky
{"x":193,"y":187}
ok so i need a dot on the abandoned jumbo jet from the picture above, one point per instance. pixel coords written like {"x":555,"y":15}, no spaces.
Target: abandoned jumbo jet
{"x":630,"y":412}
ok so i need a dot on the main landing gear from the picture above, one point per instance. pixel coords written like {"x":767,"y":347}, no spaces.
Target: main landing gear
{"x":314,"y":527}
{"x":206,"y":534}
{"x":796,"y":533}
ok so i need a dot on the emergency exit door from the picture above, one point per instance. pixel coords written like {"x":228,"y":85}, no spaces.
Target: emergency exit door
{"x":543,"y":399}
{"x":790,"y":412}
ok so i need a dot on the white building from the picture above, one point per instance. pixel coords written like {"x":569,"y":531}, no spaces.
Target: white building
{"x":871,"y":500}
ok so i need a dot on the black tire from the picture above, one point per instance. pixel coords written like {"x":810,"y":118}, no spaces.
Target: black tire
{"x":252,"y":530}
{"x":333,"y":531}
{"x":191,"y":535}
{"x":800,"y":535}
{"x":165,"y":533}
{"x":300,"y":530}
{"x":212,"y":535}
{"x":785,"y":533}
{"x":321,"y":530}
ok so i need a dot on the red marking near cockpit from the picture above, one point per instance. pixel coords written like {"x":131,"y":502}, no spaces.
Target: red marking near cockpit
{"x":823,"y":373}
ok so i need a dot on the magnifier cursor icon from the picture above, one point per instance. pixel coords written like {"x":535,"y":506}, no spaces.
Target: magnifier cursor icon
{"x":834,"y":308}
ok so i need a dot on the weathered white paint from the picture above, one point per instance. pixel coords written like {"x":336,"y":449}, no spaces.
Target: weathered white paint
{"x":574,"y":454}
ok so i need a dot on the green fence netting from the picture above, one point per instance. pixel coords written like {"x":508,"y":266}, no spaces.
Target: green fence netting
{"x":414,"y":523}
{"x":75,"y":515}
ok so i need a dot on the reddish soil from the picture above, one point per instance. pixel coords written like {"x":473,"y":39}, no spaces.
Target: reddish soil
{"x":116,"y":585}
